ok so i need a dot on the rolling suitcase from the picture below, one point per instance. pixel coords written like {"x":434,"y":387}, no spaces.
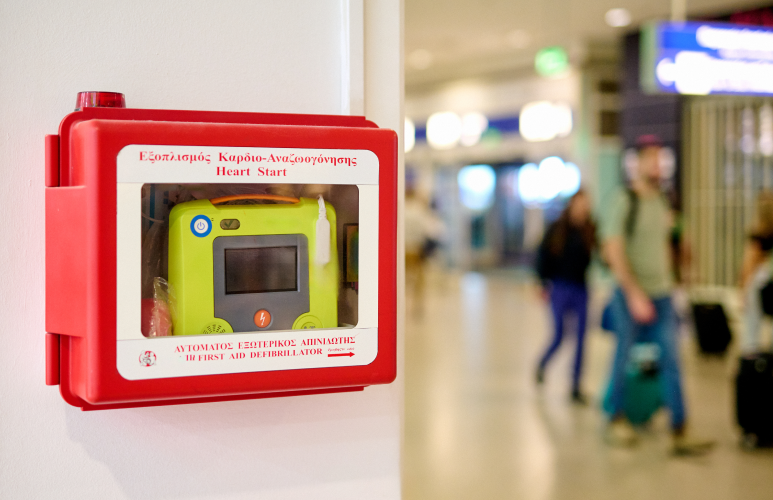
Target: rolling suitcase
{"x":643,"y":396}
{"x":754,"y":399}
{"x":711,"y":327}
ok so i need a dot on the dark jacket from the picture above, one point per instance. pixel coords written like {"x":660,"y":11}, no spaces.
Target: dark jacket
{"x":570,"y":263}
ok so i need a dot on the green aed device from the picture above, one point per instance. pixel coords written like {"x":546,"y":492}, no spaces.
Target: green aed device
{"x":253,"y":267}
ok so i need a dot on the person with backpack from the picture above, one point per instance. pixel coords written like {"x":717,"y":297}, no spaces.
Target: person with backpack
{"x":756,"y":272}
{"x":562,"y":264}
{"x":636,"y":232}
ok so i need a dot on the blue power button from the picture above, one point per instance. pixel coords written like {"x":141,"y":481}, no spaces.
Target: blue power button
{"x":201,"y":226}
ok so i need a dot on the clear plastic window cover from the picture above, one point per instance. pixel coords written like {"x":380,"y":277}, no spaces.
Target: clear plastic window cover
{"x":159,"y":299}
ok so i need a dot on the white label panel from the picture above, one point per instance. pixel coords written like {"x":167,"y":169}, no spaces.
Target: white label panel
{"x":185,"y":356}
{"x":141,"y":358}
{"x":180,"y":164}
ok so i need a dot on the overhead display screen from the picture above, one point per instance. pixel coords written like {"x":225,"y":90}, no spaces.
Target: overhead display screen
{"x":261,"y":270}
{"x":697,"y":58}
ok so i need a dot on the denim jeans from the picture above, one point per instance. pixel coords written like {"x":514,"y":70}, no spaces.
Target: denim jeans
{"x":568,"y":298}
{"x":663,"y":332}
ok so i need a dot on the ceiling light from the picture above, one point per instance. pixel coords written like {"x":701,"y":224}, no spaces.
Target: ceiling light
{"x":444,"y":130}
{"x":420,"y":59}
{"x":562,"y":119}
{"x":617,"y":18}
{"x":544,"y":121}
{"x":473,"y":126}
{"x":409,"y":135}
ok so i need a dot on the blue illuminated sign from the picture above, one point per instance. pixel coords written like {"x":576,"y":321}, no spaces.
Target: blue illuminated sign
{"x":707,"y":58}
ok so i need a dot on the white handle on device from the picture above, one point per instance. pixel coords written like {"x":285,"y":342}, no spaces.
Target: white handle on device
{"x":322,"y":255}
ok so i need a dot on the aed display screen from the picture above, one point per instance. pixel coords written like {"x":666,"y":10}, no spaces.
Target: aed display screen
{"x":261,"y":270}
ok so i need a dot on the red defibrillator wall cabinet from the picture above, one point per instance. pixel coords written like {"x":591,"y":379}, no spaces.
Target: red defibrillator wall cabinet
{"x":206,"y":256}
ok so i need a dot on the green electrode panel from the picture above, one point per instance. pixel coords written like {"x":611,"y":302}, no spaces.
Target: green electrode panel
{"x":252,"y":268}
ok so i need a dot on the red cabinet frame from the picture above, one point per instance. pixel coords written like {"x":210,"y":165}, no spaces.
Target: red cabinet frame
{"x":81,"y":251}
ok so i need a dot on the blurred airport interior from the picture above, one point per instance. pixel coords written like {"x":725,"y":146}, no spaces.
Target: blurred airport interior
{"x":511,"y":108}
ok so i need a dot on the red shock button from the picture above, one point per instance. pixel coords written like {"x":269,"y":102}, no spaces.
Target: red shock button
{"x":262,"y":318}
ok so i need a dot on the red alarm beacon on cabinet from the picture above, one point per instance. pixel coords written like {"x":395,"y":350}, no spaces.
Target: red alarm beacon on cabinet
{"x":199,"y":256}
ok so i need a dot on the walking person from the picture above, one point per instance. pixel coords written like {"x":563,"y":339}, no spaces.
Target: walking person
{"x":423,"y":234}
{"x":562,"y":264}
{"x":756,"y":272}
{"x":636,"y":235}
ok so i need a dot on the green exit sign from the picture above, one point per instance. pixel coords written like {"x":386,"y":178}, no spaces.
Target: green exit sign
{"x":551,"y":61}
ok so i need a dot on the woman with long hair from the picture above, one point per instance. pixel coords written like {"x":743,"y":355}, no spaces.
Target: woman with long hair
{"x":756,"y":270}
{"x":562,"y":264}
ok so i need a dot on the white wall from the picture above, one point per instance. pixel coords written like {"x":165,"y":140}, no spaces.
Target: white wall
{"x":288,"y":56}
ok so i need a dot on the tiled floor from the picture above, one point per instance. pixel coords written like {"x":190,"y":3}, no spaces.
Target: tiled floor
{"x":478,"y":428}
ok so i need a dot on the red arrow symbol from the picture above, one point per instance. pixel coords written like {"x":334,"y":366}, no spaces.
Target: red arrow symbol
{"x":350,"y":354}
